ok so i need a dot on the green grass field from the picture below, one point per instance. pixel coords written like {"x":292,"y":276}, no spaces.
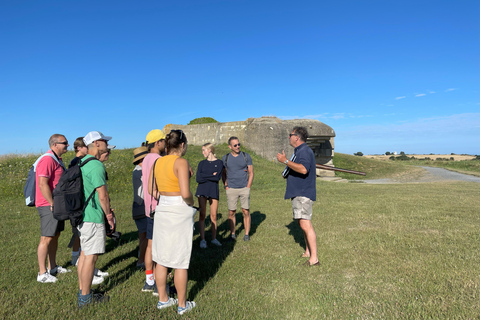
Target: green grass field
{"x":400,"y":251}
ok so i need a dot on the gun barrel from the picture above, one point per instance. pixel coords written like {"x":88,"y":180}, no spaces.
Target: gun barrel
{"x":325,"y":167}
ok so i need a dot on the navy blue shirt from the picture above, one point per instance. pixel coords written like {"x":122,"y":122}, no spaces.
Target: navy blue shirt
{"x":207,"y":181}
{"x":303,"y":184}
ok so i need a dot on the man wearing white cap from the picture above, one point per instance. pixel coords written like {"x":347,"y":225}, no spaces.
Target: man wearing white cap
{"x":92,"y":230}
{"x":155,"y":143}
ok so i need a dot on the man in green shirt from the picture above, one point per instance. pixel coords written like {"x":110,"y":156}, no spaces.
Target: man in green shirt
{"x":92,"y":230}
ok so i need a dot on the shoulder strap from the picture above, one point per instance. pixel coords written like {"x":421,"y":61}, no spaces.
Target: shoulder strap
{"x":226,"y":160}
{"x":245,"y":158}
{"x":153,"y":181}
{"x":50,"y":155}
{"x":81,"y":164}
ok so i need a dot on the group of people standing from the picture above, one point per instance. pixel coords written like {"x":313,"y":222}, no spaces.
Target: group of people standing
{"x":163,"y":207}
{"x":90,"y":236}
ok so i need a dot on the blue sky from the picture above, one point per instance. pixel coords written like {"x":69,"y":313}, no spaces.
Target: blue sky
{"x":385,"y":75}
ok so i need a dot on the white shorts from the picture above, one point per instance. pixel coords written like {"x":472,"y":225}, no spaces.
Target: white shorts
{"x":92,"y":237}
{"x":171,"y":201}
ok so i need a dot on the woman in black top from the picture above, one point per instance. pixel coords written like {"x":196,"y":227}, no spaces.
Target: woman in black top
{"x":209,"y":172}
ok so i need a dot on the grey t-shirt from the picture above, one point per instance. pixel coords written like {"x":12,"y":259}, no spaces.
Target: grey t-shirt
{"x":237,"y":171}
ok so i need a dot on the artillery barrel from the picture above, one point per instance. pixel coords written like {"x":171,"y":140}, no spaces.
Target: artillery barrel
{"x":325,"y":167}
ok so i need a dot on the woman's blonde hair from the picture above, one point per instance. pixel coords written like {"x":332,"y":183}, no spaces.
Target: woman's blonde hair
{"x":210,"y":147}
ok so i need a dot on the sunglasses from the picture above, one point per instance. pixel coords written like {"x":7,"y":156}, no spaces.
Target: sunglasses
{"x":236,"y":145}
{"x":292,"y":134}
{"x":180,"y":132}
{"x":63,"y":142}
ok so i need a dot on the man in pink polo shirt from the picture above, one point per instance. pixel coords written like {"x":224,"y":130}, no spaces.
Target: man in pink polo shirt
{"x":48,"y":172}
{"x":155,"y":142}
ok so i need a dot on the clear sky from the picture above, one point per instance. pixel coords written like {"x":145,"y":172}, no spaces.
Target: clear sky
{"x":385,"y":75}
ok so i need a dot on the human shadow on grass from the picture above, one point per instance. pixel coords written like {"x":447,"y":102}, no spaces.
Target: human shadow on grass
{"x":125,"y":238}
{"x":205,"y":263}
{"x":297,"y":233}
{"x":115,"y":279}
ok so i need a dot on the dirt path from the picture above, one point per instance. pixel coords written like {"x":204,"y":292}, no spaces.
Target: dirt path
{"x":430,"y":174}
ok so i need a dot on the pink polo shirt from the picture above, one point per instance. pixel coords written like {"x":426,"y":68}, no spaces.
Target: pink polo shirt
{"x":147,"y":165}
{"x":49,"y":168}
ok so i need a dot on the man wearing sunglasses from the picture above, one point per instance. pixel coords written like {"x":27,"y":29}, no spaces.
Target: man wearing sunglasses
{"x":301,"y":188}
{"x":237,"y":178}
{"x":47,"y":173}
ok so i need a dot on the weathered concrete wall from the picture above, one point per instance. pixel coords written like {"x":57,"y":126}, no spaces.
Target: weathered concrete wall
{"x":266,"y":136}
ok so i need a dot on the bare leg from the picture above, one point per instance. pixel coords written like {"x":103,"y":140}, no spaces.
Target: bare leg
{"x":42,"y":252}
{"x":202,"y":202}
{"x":161,"y":281}
{"x":306,"y":254}
{"x":52,"y":251}
{"x":181,"y":279}
{"x":213,"y":217}
{"x":310,"y":238}
{"x":79,"y":269}
{"x":85,"y":271}
{"x":148,"y":256}
{"x":231,"y":221}
{"x":246,"y":220}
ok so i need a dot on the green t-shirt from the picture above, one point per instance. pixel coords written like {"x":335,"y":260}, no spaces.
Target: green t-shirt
{"x":94,"y":176}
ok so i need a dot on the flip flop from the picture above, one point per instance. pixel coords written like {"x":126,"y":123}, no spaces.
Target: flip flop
{"x":316,"y":264}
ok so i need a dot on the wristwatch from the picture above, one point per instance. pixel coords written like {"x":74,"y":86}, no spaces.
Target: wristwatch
{"x":286,"y":161}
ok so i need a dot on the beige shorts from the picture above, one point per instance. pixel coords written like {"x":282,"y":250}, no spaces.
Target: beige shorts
{"x":92,"y":238}
{"x":234,"y":194}
{"x":302,"y":208}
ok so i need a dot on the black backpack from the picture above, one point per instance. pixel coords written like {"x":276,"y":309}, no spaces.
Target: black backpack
{"x":68,"y":196}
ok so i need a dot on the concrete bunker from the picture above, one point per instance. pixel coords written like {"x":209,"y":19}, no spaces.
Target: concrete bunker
{"x":266,"y":136}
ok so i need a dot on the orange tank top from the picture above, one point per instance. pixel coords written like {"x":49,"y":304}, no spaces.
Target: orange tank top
{"x":164,"y":176}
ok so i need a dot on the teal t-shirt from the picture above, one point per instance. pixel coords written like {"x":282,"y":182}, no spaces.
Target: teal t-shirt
{"x":94,"y":176}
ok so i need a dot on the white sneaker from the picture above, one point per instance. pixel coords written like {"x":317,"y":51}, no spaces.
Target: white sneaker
{"x":216,"y":242}
{"x":170,"y":302}
{"x":58,"y":269}
{"x":46,"y":278}
{"x":100,"y":273}
{"x":203,"y":244}
{"x":189,"y":305}
{"x":97,"y":280}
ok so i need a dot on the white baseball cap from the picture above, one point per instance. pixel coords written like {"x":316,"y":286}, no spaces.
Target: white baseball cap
{"x":94,"y":136}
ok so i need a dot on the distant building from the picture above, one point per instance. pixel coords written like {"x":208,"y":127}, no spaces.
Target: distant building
{"x":266,"y":136}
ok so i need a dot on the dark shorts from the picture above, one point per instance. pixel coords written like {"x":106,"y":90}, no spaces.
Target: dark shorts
{"x":142,"y":224}
{"x":49,"y":226}
{"x":149,"y":228}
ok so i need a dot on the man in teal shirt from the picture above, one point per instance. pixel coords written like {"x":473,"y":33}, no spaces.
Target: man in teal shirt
{"x":92,"y":230}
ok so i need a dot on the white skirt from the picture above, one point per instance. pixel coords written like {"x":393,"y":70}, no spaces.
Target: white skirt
{"x":173,"y":232}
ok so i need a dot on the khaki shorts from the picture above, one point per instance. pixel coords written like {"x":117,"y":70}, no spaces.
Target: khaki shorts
{"x":302,"y":208}
{"x":234,"y":194}
{"x":92,"y":237}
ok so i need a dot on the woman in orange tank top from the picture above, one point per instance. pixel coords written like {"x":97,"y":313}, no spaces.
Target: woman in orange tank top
{"x":173,"y":221}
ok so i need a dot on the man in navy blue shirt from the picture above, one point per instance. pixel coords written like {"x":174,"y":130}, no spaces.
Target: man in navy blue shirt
{"x":301,"y":188}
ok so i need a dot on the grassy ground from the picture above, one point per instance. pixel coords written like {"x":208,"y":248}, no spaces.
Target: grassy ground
{"x":376,"y":169}
{"x":407,"y":251}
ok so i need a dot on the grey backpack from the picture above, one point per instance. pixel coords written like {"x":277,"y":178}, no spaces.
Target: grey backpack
{"x":29,"y":189}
